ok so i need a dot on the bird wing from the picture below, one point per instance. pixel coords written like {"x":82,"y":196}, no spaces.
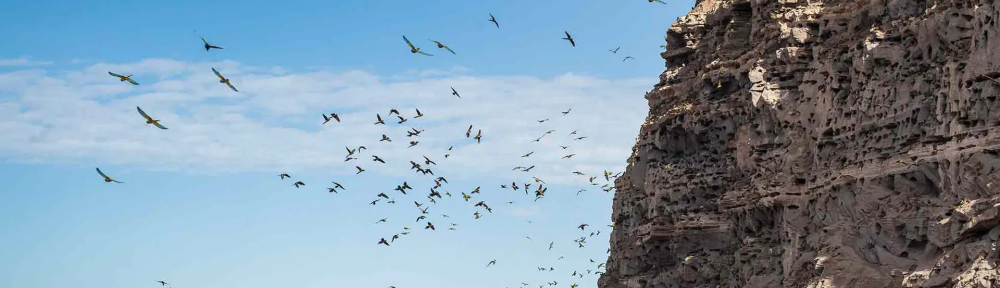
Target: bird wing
{"x":157,"y":124}
{"x":203,"y":40}
{"x":218,"y":74}
{"x":116,"y":74}
{"x":131,"y":81}
{"x":425,"y":53}
{"x":449,"y":50}
{"x":143,"y":113}
{"x":102,"y":173}
{"x":408,"y":42}
{"x":231,"y":86}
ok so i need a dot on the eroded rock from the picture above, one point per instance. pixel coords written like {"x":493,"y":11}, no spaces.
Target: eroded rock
{"x":817,"y":143}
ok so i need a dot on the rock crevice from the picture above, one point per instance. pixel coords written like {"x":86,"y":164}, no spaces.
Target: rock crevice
{"x":817,"y":143}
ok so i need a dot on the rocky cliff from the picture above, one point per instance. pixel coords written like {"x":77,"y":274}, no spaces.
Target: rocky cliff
{"x":817,"y":143}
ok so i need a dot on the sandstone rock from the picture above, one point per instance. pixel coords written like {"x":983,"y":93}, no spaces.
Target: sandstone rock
{"x":817,"y":143}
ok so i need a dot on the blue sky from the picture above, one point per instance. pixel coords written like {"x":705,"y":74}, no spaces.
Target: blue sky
{"x":202,"y":205}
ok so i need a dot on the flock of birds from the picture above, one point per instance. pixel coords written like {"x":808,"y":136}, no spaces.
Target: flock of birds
{"x":424,"y":166}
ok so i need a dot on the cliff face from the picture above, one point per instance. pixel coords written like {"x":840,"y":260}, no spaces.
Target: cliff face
{"x":818,"y":143}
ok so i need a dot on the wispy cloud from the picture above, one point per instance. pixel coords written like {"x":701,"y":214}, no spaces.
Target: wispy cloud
{"x":274,"y":122}
{"x":23,"y":61}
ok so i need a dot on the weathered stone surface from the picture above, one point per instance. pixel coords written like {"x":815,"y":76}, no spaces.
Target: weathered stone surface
{"x":817,"y":143}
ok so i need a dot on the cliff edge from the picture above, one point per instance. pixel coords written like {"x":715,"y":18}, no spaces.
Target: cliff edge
{"x":817,"y":143}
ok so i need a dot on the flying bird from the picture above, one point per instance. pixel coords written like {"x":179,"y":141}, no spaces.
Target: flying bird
{"x":526,"y":155}
{"x":150,"y":120}
{"x":385,"y":138}
{"x":124,"y":78}
{"x":443,"y":46}
{"x":567,"y":111}
{"x":569,"y":38}
{"x":614,"y":51}
{"x":494,"y":20}
{"x":106,"y":178}
{"x":418,"y":113}
{"x":379,"y":120}
{"x":207,"y":46}
{"x":430,"y":226}
{"x":414,"y":49}
{"x":380,"y":242}
{"x":468,"y":132}
{"x":224,"y":80}
{"x":284,"y":175}
{"x":298,"y":184}
{"x":479,"y":136}
{"x":377,"y":159}
{"x":582,"y":226}
{"x":627,"y":57}
{"x":359,"y":169}
{"x":568,"y":156}
{"x":453,"y":92}
{"x":162,"y":283}
{"x":492,"y":262}
{"x":401,"y":120}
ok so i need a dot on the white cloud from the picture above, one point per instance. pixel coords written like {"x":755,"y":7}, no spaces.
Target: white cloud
{"x":23,"y":61}
{"x":274,"y":122}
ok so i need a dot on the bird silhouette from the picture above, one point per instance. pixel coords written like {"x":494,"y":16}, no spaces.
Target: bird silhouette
{"x":106,"y":178}
{"x":494,"y":20}
{"x":414,"y":49}
{"x":359,"y":169}
{"x":569,"y":38}
{"x":298,"y":184}
{"x":418,"y":114}
{"x":614,"y":51}
{"x":567,"y":111}
{"x":380,"y":242}
{"x":284,"y":175}
{"x":453,"y":92}
{"x":150,"y":120}
{"x":443,"y":46}
{"x":207,"y":46}
{"x":224,"y":80}
{"x":627,"y":57}
{"x":479,"y":136}
{"x":379,"y":120}
{"x":124,"y":78}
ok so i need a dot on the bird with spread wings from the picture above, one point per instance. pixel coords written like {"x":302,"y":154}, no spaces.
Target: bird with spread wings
{"x":106,"y":178}
{"x":443,"y":46}
{"x":150,"y":120}
{"x":124,"y":78}
{"x":224,"y":80}
{"x":414,"y":49}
